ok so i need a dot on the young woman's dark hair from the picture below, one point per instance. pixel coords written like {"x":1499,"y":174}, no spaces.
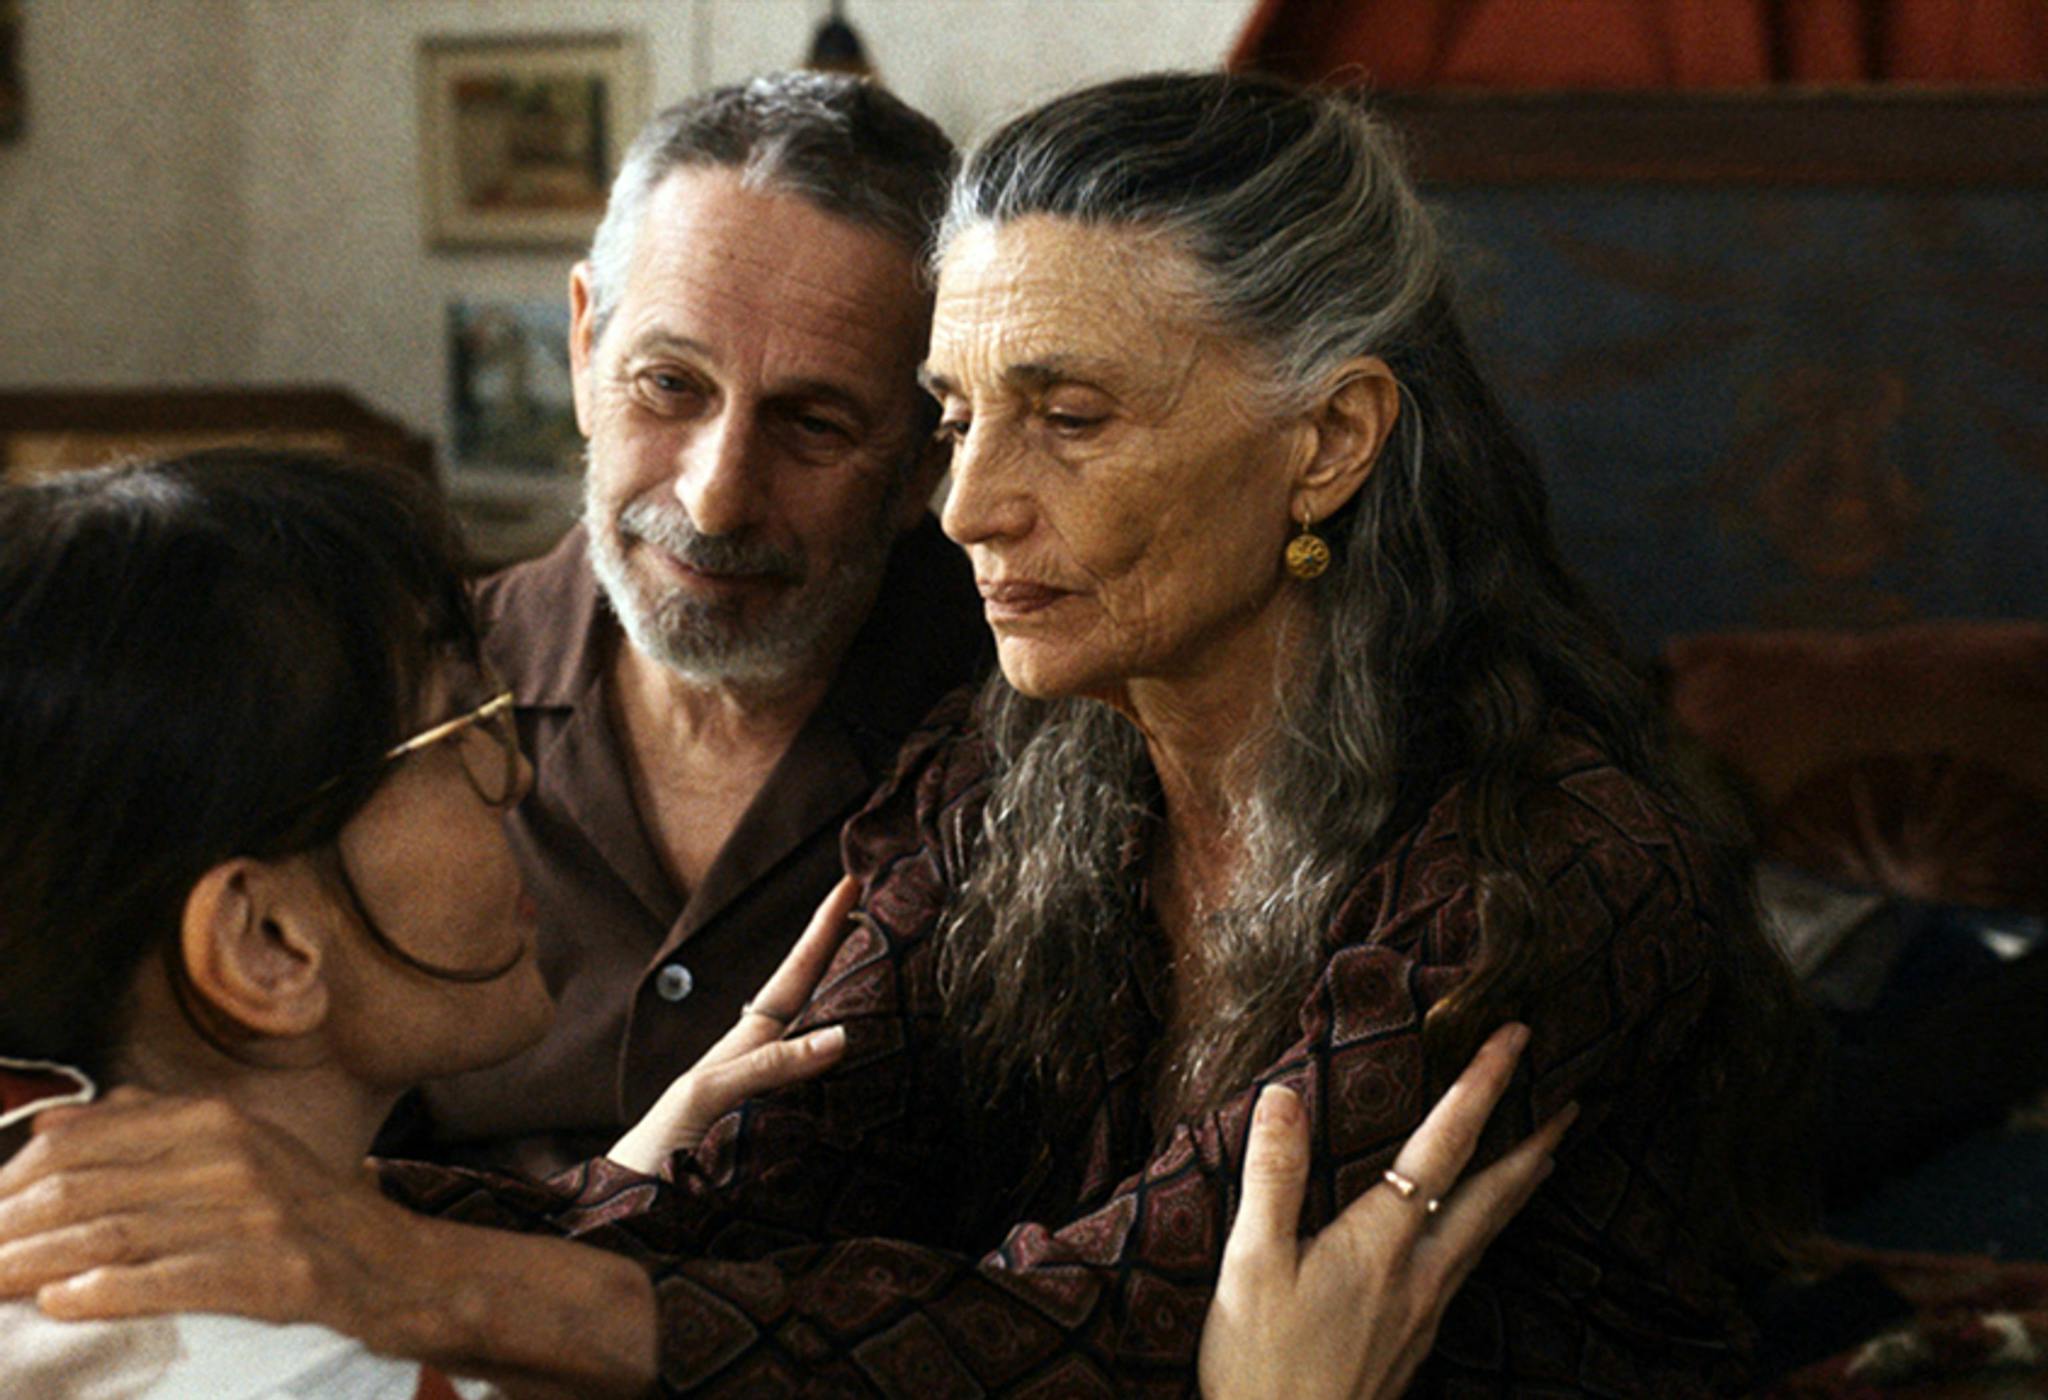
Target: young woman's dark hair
{"x":200,"y":658}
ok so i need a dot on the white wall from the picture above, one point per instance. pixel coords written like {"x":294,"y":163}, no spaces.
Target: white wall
{"x":970,"y":62}
{"x":228,"y":190}
{"x":123,"y":236}
{"x":344,"y":286}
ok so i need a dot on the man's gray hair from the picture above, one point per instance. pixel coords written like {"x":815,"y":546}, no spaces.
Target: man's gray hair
{"x":842,"y":143}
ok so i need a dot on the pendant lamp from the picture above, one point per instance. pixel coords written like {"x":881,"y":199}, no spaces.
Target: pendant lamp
{"x":836,"y":47}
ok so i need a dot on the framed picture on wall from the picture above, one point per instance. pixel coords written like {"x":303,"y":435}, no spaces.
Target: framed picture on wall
{"x":13,"y":108}
{"x":511,"y":411}
{"x":515,"y":454}
{"x":520,"y":137}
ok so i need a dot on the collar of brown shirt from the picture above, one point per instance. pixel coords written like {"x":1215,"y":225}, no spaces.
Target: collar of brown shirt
{"x":612,"y":924}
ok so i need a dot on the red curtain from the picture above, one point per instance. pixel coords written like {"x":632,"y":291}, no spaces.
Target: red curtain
{"x":1647,"y":44}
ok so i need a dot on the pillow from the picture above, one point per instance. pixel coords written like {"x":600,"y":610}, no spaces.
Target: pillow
{"x":1930,"y":827}
{"x":1913,"y":759}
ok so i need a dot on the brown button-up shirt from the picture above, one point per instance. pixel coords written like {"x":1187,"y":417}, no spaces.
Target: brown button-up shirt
{"x":646,"y":980}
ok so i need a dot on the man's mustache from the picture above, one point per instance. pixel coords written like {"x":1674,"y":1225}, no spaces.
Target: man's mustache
{"x":670,"y":530}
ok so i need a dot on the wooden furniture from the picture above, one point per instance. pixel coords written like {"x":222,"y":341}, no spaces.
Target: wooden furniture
{"x":43,"y":431}
{"x":1898,"y":778}
{"x":1871,"y":137}
{"x":1911,"y":760}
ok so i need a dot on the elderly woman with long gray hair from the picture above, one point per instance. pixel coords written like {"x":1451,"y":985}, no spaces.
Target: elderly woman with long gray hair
{"x":1308,"y":767}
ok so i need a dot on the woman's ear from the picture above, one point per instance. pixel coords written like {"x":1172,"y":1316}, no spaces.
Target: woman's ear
{"x":255,"y":951}
{"x":1350,"y":423}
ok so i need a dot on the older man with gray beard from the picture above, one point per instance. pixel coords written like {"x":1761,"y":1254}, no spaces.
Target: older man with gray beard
{"x":715,"y":668}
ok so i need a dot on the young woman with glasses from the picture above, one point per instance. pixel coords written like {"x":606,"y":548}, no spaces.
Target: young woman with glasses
{"x":250,"y":847}
{"x":250,"y":857}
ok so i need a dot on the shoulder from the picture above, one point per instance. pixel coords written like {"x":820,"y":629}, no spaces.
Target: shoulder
{"x":1589,"y":820}
{"x":47,"y":1357}
{"x":908,"y":842}
{"x":1620,"y":869}
{"x":1632,"y":881}
{"x":203,"y":1354}
{"x":536,"y":591}
{"x":923,"y":638}
{"x":542,"y":622}
{"x":927,"y":597}
{"x":1613,"y":975}
{"x":906,"y":848}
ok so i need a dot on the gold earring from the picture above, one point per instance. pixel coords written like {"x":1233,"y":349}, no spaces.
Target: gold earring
{"x":1307,"y":554}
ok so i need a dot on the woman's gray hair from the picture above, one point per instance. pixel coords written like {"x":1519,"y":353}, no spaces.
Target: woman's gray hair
{"x":1310,"y":248}
{"x":846,"y":145}
{"x":1309,"y":238}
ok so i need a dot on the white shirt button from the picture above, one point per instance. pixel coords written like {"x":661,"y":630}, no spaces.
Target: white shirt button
{"x":673,"y":982}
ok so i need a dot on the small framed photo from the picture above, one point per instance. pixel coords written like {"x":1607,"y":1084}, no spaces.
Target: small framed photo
{"x":520,"y":138}
{"x":13,"y":106}
{"x":511,"y":409}
{"x":515,"y":454}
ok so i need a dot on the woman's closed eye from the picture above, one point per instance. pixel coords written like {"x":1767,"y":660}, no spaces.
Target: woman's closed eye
{"x":1072,"y":425}
{"x":1073,"y":410}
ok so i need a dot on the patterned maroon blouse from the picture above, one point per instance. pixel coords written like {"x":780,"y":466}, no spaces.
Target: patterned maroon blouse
{"x":862,"y":1233}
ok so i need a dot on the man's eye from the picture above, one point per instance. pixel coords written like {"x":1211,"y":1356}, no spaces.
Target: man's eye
{"x":668,"y":384}
{"x":818,"y":426}
{"x":951,"y":431}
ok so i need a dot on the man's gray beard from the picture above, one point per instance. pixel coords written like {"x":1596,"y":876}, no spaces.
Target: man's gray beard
{"x":712,"y":645}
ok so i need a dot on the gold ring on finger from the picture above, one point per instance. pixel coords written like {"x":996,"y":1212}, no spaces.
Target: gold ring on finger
{"x":780,"y":1018}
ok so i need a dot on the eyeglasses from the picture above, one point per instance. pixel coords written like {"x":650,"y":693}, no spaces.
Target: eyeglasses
{"x":488,"y":747}
{"x":486,"y":743}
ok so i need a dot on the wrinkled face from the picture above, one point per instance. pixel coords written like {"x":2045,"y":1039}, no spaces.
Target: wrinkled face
{"x":429,"y":861}
{"x":751,"y":409}
{"x":1123,"y":496}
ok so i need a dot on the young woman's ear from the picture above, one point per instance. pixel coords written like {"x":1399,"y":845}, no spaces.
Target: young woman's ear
{"x":254,"y":949}
{"x":1350,"y":424}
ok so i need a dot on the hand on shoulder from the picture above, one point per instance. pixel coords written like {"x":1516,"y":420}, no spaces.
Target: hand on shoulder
{"x":1353,"y":1311}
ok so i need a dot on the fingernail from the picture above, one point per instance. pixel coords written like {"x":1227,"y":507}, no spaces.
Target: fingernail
{"x":1517,"y":1037}
{"x":1567,"y":1115}
{"x":1278,"y":1107}
{"x":826,"y":1041}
